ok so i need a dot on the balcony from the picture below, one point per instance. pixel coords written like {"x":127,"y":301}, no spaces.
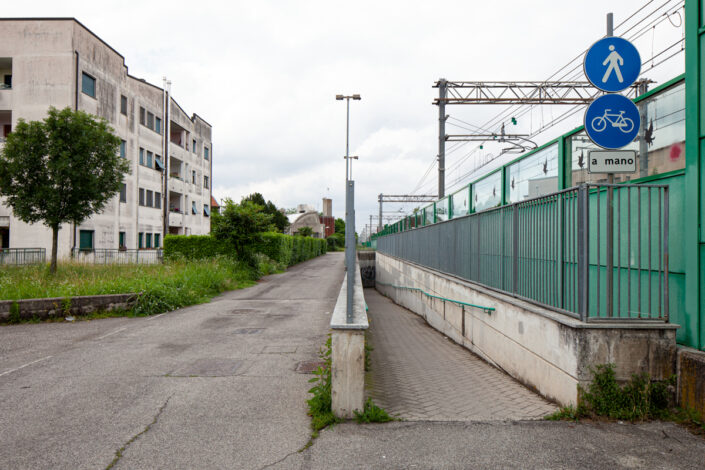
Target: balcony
{"x":5,"y":98}
{"x":176,"y":219}
{"x":5,"y":83}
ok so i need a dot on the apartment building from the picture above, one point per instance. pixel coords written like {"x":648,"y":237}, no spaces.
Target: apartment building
{"x":59,"y":62}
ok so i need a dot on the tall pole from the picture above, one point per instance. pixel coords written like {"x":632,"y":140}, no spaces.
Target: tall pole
{"x":379,"y":223}
{"x":609,"y":225}
{"x":442,"y":93}
{"x":347,"y":141}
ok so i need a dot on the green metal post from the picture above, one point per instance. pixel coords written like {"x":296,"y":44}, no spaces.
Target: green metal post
{"x":694,"y":194}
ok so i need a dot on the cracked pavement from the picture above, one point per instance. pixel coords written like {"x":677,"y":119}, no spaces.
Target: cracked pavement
{"x":74,"y":394}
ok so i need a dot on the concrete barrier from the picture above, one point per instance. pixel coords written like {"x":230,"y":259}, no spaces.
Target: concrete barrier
{"x":691,"y":379}
{"x":547,"y":351}
{"x":348,"y":352}
{"x":60,"y":307}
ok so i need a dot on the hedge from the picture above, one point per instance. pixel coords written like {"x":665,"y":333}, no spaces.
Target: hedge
{"x":195,"y":247}
{"x":289,"y":250}
{"x":284,"y":249}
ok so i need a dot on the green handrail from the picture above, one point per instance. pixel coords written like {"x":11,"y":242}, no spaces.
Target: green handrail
{"x":487,"y":310}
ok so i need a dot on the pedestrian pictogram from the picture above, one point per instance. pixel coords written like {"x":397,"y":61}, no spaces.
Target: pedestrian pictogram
{"x":612,"y":121}
{"x":613,"y":61}
{"x":612,"y":64}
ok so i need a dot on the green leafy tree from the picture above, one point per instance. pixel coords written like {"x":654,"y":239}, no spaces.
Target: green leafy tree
{"x":278,"y":218}
{"x":339,"y":226}
{"x":60,"y":170}
{"x":305,"y":231}
{"x":242,"y":225}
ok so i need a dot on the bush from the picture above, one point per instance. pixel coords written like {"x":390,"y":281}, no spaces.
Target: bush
{"x":336,"y":242}
{"x":194,"y":247}
{"x":288,"y":250}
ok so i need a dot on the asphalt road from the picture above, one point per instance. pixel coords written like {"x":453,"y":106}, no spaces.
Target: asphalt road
{"x":209,"y":386}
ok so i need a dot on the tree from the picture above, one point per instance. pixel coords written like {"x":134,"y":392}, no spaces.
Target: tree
{"x":241,"y":225}
{"x":278,"y":218}
{"x":305,"y":231}
{"x":339,"y":226}
{"x":59,"y":170}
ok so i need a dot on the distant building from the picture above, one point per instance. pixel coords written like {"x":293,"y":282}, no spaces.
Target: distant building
{"x":59,"y":62}
{"x":306,"y":216}
{"x":327,"y":218}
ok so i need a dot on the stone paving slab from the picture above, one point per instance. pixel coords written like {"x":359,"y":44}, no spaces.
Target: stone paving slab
{"x":419,"y":374}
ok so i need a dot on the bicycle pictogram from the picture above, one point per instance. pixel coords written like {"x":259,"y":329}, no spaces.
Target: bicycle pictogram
{"x":617,"y":120}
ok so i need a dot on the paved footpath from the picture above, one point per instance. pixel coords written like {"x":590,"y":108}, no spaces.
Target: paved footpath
{"x":419,"y":374}
{"x":208,"y":386}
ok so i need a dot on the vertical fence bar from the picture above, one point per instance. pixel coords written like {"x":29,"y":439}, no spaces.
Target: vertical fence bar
{"x":660,"y":254}
{"x":597,"y":239}
{"x":650,"y":249}
{"x":619,"y":253}
{"x":665,"y":253}
{"x":583,"y":273}
{"x":629,"y":252}
{"x":609,"y":262}
{"x":639,"y":233}
{"x":515,"y":247}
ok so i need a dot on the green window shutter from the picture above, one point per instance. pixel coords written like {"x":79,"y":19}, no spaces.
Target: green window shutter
{"x":86,"y":240}
{"x":156,"y":240}
{"x":88,"y":85}
{"x":139,"y":240}
{"x":148,"y":243}
{"x":121,"y":242}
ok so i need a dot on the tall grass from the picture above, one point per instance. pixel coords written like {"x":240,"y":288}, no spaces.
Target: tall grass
{"x":162,"y":287}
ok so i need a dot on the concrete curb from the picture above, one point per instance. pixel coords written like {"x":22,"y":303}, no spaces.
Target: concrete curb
{"x":55,"y":307}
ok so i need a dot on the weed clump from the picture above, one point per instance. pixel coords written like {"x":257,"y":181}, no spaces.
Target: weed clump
{"x":320,"y":404}
{"x":637,"y":400}
{"x":372,"y":413}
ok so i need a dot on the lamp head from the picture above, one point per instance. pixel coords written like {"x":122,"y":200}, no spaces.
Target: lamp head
{"x":339,"y":97}
{"x":356,"y":97}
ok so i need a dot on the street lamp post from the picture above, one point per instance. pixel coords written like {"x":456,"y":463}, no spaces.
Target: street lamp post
{"x":349,"y":212}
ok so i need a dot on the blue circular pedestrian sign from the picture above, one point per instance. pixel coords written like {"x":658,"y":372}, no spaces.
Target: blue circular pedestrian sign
{"x":612,"y":64}
{"x":612,"y":121}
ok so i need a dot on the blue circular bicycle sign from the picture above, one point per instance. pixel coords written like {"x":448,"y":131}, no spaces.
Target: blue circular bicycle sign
{"x":612,"y":64}
{"x":612,"y":121}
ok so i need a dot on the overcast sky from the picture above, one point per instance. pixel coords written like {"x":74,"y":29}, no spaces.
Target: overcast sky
{"x":265,"y":75}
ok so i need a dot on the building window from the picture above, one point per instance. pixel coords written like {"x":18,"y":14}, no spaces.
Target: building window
{"x":193,"y":207}
{"x":142,"y":113}
{"x":140,"y":238}
{"x":205,"y":182}
{"x":123,"y":105}
{"x":156,"y":240}
{"x":205,"y":153}
{"x":86,"y":240}
{"x":123,"y":193}
{"x":141,"y":156}
{"x":141,"y":197}
{"x":193,"y":177}
{"x":150,"y":120}
{"x":7,"y":81}
{"x":121,"y":242}
{"x":88,"y":85}
{"x":148,"y":240}
{"x":149,"y":158}
{"x":123,"y":149}
{"x":158,"y":200}
{"x":158,"y":125}
{"x":194,"y":146}
{"x":159,"y":164}
{"x":150,"y":198}
{"x":206,"y":210}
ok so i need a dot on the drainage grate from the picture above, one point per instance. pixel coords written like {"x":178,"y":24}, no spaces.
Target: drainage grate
{"x":308,"y":367}
{"x":248,"y":331}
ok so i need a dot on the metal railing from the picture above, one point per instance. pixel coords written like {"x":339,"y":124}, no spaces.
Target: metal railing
{"x":592,"y":252}
{"x":21,"y":256}
{"x":117,"y":256}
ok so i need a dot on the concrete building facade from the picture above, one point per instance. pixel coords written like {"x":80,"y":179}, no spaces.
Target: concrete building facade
{"x":59,"y":62}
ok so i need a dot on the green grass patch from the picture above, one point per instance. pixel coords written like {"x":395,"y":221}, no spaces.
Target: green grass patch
{"x":320,"y":404}
{"x":372,"y":413}
{"x":640,"y":399}
{"x":161,"y":287}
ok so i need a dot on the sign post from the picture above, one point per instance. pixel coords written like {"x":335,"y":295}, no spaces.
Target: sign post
{"x":612,"y":121}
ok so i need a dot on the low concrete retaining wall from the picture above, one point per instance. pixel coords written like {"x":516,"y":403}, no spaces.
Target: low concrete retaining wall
{"x":547,"y":351}
{"x":348,"y":352}
{"x":60,"y":307}
{"x":691,"y":379}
